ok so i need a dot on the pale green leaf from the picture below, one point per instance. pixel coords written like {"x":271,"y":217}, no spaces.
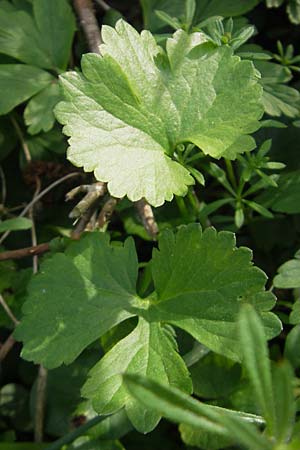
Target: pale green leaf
{"x":38,"y":113}
{"x":19,"y":223}
{"x":201,"y":280}
{"x":76,"y":298}
{"x":19,"y":82}
{"x":128,"y":110}
{"x":149,"y":350}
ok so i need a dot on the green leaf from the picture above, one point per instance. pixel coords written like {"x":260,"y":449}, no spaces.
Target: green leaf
{"x":286,"y":197}
{"x":288,"y":275}
{"x":38,"y":113}
{"x":125,"y":126}
{"x":285,"y":407}
{"x":99,"y":292}
{"x":259,"y":208}
{"x":278,"y":98}
{"x":55,"y":22}
{"x":42,"y":40}
{"x":178,"y":407}
{"x":295,"y":313}
{"x":215,"y":376}
{"x":19,"y":223}
{"x":19,"y":82}
{"x":149,"y":350}
{"x":204,"y":296}
{"x":293,"y":10}
{"x":199,"y":438}
{"x":291,"y":348}
{"x":257,"y":363}
{"x":204,"y":9}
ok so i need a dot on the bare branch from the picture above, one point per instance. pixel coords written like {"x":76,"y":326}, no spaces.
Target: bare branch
{"x":8,"y":310}
{"x":89,"y":23}
{"x":106,"y":212}
{"x":103,"y":5}
{"x":7,"y":346}
{"x":23,"y":252}
{"x":148,"y":219}
{"x":39,"y":196}
{"x":40,"y":404}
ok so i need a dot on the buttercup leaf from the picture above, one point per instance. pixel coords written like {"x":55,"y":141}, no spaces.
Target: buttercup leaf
{"x":130,"y":108}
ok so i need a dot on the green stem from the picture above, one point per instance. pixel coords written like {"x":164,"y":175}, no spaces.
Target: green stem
{"x":70,"y":437}
{"x":231,"y":174}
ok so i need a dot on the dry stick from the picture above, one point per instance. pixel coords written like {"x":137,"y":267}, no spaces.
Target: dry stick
{"x":39,"y":196}
{"x":7,"y":346}
{"x":148,"y":219}
{"x":40,"y":404}
{"x":27,"y":251}
{"x":106,"y":212}
{"x":89,"y":23}
{"x":103,"y":5}
{"x":10,"y":341}
{"x":8,"y":311}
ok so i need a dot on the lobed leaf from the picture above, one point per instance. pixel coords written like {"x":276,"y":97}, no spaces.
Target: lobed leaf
{"x":129,"y":109}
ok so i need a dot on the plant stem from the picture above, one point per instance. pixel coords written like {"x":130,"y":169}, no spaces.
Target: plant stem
{"x":89,"y":23}
{"x":23,"y":252}
{"x":39,"y":196}
{"x":70,"y":437}
{"x":7,"y":346}
{"x":8,"y":311}
{"x":40,"y":404}
{"x":21,"y":138}
{"x":103,"y":5}
{"x":148,"y":219}
{"x":231,"y":174}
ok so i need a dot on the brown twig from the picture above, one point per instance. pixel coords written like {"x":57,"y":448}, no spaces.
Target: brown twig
{"x":7,"y":346}
{"x":21,"y":138}
{"x":93,"y":193}
{"x":27,"y":251}
{"x":10,"y":341}
{"x":39,"y":196}
{"x":106,"y":212}
{"x":40,"y":404}
{"x":8,"y":311}
{"x":103,"y":5}
{"x":88,"y":21}
{"x":146,"y":214}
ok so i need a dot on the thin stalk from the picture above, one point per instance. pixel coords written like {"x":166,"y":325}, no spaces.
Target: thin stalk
{"x":231,"y":174}
{"x":70,"y":437}
{"x":39,"y":196}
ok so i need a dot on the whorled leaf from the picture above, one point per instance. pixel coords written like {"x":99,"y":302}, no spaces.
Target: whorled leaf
{"x":129,"y":109}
